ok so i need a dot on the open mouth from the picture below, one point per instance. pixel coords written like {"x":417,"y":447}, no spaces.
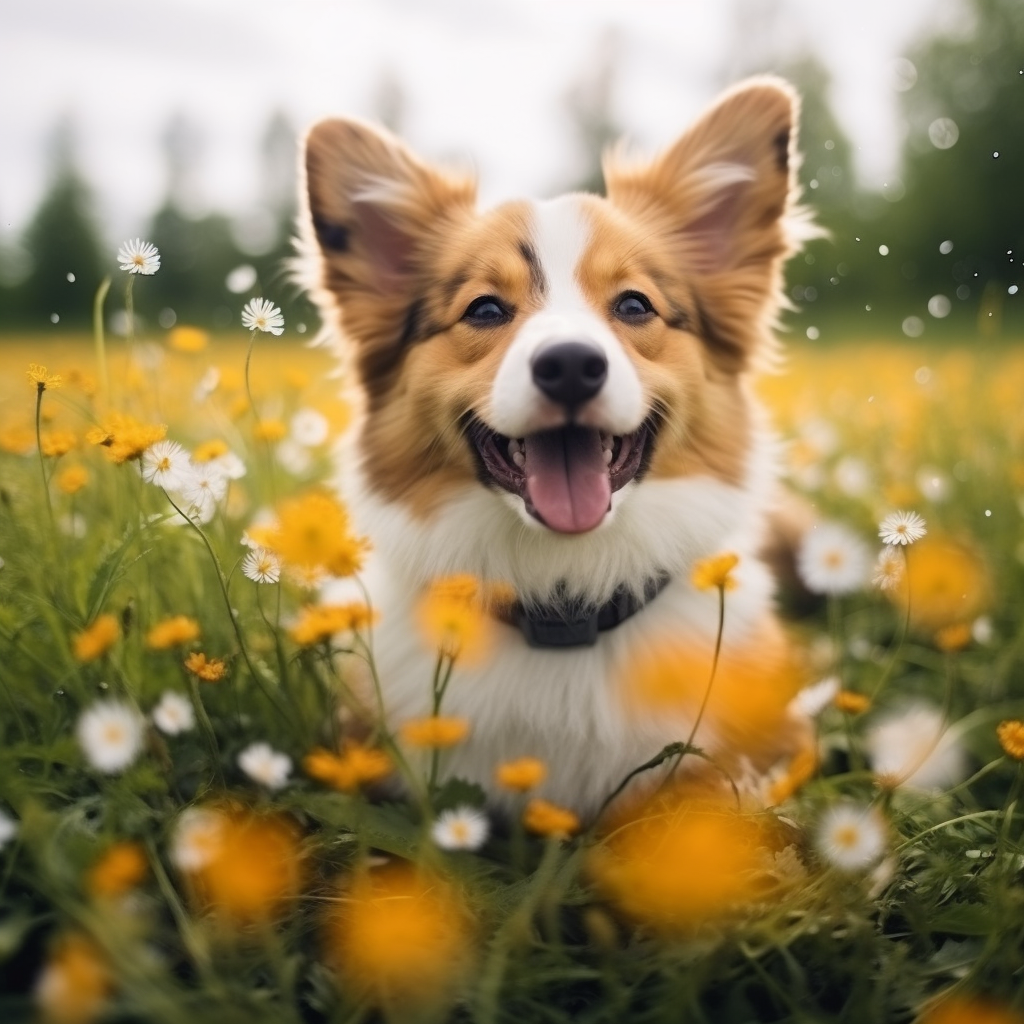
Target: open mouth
{"x":566,"y":477}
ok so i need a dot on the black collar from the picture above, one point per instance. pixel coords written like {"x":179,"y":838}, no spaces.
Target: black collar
{"x":548,"y":626}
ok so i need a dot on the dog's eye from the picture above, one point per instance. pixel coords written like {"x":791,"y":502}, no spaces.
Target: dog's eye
{"x":632,"y":306}
{"x":486,"y":311}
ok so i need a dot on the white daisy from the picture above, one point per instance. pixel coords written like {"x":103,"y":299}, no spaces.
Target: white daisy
{"x":262,"y":315}
{"x":461,"y":828}
{"x":912,"y":747}
{"x":851,"y":836}
{"x":196,"y":839}
{"x":310,"y":428}
{"x":203,"y":491}
{"x":265,"y":765}
{"x":812,"y":700}
{"x":852,"y":476}
{"x":832,"y":559}
{"x":262,"y":566}
{"x":166,"y":464}
{"x":888,"y":569}
{"x":8,"y":829}
{"x":230,"y":465}
{"x":208,"y":383}
{"x":293,"y":456}
{"x":139,"y":257}
{"x":111,"y":735}
{"x":174,"y":713}
{"x":901,"y":528}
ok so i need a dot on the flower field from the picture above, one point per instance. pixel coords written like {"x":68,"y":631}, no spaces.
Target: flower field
{"x":190,"y":832}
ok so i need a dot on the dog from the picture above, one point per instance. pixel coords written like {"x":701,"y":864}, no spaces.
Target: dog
{"x":557,"y":395}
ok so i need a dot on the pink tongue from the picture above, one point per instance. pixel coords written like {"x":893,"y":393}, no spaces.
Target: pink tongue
{"x":567,"y":479}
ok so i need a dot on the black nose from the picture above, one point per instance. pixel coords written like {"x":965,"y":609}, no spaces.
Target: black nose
{"x":570,"y":372}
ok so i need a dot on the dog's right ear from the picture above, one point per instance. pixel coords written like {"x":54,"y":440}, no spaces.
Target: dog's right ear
{"x":374,"y":209}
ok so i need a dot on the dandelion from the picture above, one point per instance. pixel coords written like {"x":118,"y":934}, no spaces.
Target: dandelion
{"x":139,"y":257}
{"x":210,"y":451}
{"x":75,"y":982}
{"x":460,"y":828}
{"x":72,"y":479}
{"x":95,"y":640}
{"x":548,"y":819}
{"x":8,"y":829}
{"x":954,"y":637}
{"x":166,"y":464}
{"x":901,"y":528}
{"x":832,"y":559}
{"x":715,"y":572}
{"x":209,"y":670}
{"x":851,"y":702}
{"x":269,"y":430}
{"x":262,"y":315}
{"x":38,"y":376}
{"x":111,"y":735}
{"x":453,"y":619}
{"x":402,"y":938}
{"x":204,"y":489}
{"x":521,"y":775}
{"x":911,"y":746}
{"x":197,"y":838}
{"x":851,"y":837}
{"x":318,"y":623}
{"x":965,"y":1009}
{"x":125,"y":438}
{"x":888,"y":569}
{"x":174,"y":714}
{"x":1011,"y":738}
{"x":261,"y":566}
{"x":121,"y":868}
{"x":309,"y":428}
{"x":172,"y":632}
{"x":435,"y":732}
{"x":949,"y":582}
{"x":265,"y":765}
{"x":357,"y":766}
{"x":55,"y":443}
{"x":188,"y":339}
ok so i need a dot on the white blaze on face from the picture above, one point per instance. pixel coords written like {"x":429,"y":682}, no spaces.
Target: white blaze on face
{"x":561,"y":232}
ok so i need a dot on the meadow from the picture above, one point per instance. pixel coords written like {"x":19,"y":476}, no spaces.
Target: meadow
{"x":188,"y":832}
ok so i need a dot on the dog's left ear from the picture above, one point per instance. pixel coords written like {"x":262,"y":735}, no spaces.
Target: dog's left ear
{"x":720,"y":197}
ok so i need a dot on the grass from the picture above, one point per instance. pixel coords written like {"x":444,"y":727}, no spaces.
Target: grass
{"x":103,"y":915}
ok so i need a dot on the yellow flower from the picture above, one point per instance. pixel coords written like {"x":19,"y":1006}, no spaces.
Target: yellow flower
{"x":75,"y":983}
{"x":269,"y":431}
{"x":85,"y":382}
{"x":851,"y":702}
{"x":210,"y":671}
{"x":95,"y":640}
{"x":17,"y":440}
{"x":188,"y":339}
{"x":37,"y":375}
{"x":954,"y":637}
{"x":715,"y":572}
{"x":296,"y":379}
{"x":969,"y":1010}
{"x":178,"y":629}
{"x":72,"y":479}
{"x":435,"y":731}
{"x":453,"y":618}
{"x":250,"y":868}
{"x":55,"y":443}
{"x":121,"y":868}
{"x":948,"y":582}
{"x":403,"y":939}
{"x":319,"y":622}
{"x":1011,"y":738}
{"x":313,"y":531}
{"x":357,"y":766}
{"x":548,"y":819}
{"x":521,"y":775}
{"x":210,"y":450}
{"x":798,"y":773}
{"x":124,"y":437}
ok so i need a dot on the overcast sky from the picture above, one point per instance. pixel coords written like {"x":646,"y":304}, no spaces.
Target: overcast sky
{"x":485,"y":80}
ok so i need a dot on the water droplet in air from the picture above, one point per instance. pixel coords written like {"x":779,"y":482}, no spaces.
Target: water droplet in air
{"x":883,"y":250}
{"x":868,"y":308}
{"x":996,"y":154}
{"x":988,"y":512}
{"x":939,"y":306}
{"x":922,"y":374}
{"x":813,"y":333}
{"x":963,"y":292}
{"x":913,"y":327}
{"x":1012,"y":290}
{"x":946,"y":247}
{"x":943,"y":133}
{"x":55,"y":318}
{"x":71,"y":278}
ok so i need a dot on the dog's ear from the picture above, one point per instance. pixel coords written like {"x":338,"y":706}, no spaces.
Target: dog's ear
{"x":722,"y":199}
{"x":374,"y":210}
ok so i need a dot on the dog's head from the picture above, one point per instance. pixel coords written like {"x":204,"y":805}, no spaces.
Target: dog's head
{"x":548,"y":381}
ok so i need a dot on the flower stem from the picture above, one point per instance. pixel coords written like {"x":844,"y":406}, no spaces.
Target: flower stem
{"x":40,"y":388}
{"x":99,"y":339}
{"x":714,"y":670}
{"x":891,"y":664}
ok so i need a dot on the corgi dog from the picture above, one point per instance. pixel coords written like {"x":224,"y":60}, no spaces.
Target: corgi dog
{"x":557,"y":395}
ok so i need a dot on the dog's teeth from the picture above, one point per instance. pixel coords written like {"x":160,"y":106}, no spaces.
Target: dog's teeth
{"x":607,"y":441}
{"x":513,"y":447}
{"x":607,"y":453}
{"x":519,"y":459}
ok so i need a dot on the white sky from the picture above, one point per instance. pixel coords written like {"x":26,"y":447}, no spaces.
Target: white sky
{"x":485,"y":80}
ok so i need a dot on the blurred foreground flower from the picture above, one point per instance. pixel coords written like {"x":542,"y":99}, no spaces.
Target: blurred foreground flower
{"x":262,"y":315}
{"x":851,"y":702}
{"x":851,"y":836}
{"x":435,"y":732}
{"x":111,"y":735}
{"x":120,"y":869}
{"x":460,"y":828}
{"x":832,"y":559}
{"x":401,"y":938}
{"x":888,"y":569}
{"x":715,"y":572}
{"x":72,"y":479}
{"x":139,"y":257}
{"x":75,"y":982}
{"x":174,"y":714}
{"x":241,"y":865}
{"x":172,"y":632}
{"x":319,"y":622}
{"x":947,"y":581}
{"x":547,"y":819}
{"x":265,"y":765}
{"x":912,"y":746}
{"x":901,"y":528}
{"x":453,"y":618}
{"x":1011,"y":738}
{"x":8,"y":829}
{"x":356,"y":766}
{"x":521,"y":775}
{"x":678,"y":863}
{"x":96,"y":639}
{"x":188,"y":339}
{"x":965,"y":1009}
